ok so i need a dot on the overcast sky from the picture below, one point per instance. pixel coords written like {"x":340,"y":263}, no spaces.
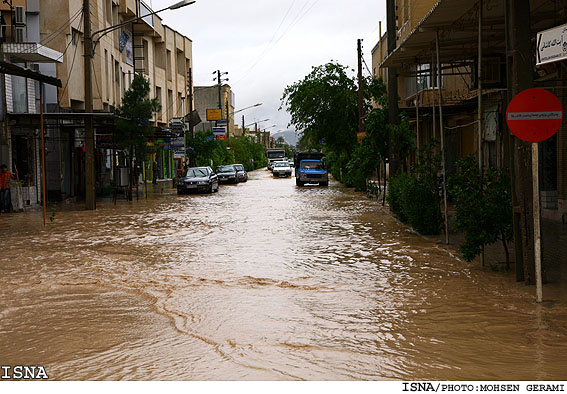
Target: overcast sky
{"x":267,"y":45}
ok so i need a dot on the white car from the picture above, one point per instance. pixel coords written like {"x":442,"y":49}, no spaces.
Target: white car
{"x":281,"y":168}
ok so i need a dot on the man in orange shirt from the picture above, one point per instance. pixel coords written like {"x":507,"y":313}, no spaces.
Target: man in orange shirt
{"x":5,"y":177}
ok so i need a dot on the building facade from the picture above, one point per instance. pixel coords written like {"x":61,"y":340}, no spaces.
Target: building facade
{"x":474,"y":51}
{"x":20,"y":141}
{"x":145,"y":46}
{"x":215,"y":98}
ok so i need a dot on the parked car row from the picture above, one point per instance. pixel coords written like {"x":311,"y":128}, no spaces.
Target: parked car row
{"x":204,"y":179}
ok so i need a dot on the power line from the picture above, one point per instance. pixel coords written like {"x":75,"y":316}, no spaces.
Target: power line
{"x":96,"y":79}
{"x":56,"y":32}
{"x":294,"y":22}
{"x":70,"y":72}
{"x":366,"y":65}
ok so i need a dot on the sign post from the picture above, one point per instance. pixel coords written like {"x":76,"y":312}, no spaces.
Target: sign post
{"x":535,"y":115}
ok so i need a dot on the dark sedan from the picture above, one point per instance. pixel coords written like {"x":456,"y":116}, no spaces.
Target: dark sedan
{"x":241,"y":173}
{"x":227,"y":174}
{"x":201,"y":179}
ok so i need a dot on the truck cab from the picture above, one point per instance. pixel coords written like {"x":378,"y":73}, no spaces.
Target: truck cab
{"x":310,"y":168}
{"x":274,"y":155}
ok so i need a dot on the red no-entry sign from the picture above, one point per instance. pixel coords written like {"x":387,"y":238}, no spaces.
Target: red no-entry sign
{"x":534,"y":115}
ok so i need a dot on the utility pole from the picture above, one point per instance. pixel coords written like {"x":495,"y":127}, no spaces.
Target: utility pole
{"x":243,"y":126}
{"x":519,"y":61}
{"x":392,"y":85}
{"x":90,"y":195}
{"x":227,"y":120}
{"x":191,"y":126}
{"x":360,"y":93}
{"x":220,"y":88}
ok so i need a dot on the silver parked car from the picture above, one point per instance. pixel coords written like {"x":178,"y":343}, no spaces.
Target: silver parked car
{"x":201,"y":179}
{"x":241,"y":173}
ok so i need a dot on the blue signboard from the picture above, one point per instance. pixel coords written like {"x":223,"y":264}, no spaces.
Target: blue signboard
{"x":219,"y":130}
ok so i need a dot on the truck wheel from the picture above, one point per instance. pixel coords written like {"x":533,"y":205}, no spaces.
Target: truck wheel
{"x":298,"y":182}
{"x":324,"y":183}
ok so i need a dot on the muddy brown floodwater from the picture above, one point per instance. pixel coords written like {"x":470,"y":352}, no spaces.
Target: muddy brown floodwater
{"x":263,"y":280}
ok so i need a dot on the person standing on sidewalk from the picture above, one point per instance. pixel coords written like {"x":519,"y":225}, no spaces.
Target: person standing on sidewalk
{"x":5,"y":178}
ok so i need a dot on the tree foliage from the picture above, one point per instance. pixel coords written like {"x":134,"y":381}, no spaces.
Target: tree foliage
{"x":248,"y":153}
{"x":414,"y":198}
{"x":324,"y":107}
{"x":133,"y":129}
{"x":239,"y":149}
{"x":483,"y":204}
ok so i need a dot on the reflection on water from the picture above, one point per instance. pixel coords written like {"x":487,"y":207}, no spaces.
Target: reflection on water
{"x":261,"y":281}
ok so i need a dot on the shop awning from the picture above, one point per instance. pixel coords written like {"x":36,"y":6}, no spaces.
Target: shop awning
{"x":457,"y":24}
{"x":12,"y":69}
{"x":32,"y":52}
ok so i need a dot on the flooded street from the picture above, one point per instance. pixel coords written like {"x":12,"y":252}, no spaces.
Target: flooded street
{"x":262,"y":280}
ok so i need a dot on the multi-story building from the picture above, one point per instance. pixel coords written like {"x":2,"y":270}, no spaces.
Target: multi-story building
{"x":215,"y":98}
{"x":446,"y":38}
{"x":147,"y":46}
{"x":26,"y":65}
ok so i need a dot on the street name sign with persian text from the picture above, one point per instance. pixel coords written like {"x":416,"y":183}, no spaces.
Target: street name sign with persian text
{"x":534,"y":115}
{"x":214,"y":114}
{"x":552,"y":45}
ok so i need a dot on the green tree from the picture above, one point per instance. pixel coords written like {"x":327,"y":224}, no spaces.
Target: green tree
{"x":248,"y":152}
{"x":323,"y":106}
{"x":483,"y":206}
{"x":133,"y":129}
{"x":414,"y":197}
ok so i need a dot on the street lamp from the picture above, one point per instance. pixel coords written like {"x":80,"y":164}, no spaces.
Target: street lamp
{"x":105,"y":31}
{"x":88,"y":53}
{"x":242,"y":109}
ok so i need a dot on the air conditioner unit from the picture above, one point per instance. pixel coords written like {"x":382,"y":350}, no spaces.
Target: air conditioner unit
{"x":20,"y":34}
{"x":20,"y":16}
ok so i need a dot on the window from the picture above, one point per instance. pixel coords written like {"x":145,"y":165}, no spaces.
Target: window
{"x":109,"y":11}
{"x":170,"y":108}
{"x":107,"y":80}
{"x":180,"y":63}
{"x":146,"y":55}
{"x":117,"y":81}
{"x":114,"y":14}
{"x":75,"y":36}
{"x":168,"y":64}
{"x":180,"y":106}
{"x":19,"y":94}
{"x":158,"y":97}
{"x":159,"y":55}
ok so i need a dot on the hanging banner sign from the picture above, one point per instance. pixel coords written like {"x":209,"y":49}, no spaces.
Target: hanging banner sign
{"x":534,"y":115}
{"x":552,"y":45}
